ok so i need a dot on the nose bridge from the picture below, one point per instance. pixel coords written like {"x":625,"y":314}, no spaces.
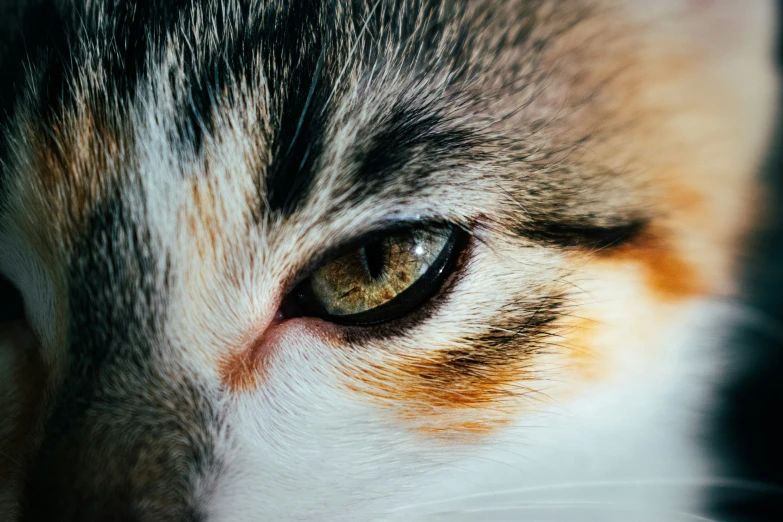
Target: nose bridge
{"x":135,"y":452}
{"x":127,"y":437}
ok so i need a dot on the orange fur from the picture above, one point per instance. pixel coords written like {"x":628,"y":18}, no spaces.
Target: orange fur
{"x":241,"y":371}
{"x":582,"y":351}
{"x":666,"y":273}
{"x":435,"y":397}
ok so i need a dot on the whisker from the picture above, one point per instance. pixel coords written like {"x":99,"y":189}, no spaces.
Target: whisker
{"x":736,"y":484}
{"x":309,"y":99}
{"x":551,"y":506}
{"x":350,"y":55}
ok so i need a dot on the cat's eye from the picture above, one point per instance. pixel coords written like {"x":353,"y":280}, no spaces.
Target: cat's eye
{"x":383,"y":278}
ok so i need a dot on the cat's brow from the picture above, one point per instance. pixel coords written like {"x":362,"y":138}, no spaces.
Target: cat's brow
{"x":407,"y":147}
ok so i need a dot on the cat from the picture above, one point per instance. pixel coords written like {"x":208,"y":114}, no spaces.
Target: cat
{"x":367,"y":260}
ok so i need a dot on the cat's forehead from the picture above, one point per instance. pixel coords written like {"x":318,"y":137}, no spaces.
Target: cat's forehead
{"x":282,"y":112}
{"x":292,"y":114}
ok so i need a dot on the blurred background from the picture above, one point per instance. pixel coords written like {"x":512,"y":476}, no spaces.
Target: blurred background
{"x":748,"y":428}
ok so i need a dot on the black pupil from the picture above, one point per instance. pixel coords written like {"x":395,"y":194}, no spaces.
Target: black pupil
{"x":11,"y":303}
{"x":375,"y":258}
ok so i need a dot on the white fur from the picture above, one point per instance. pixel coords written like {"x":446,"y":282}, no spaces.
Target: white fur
{"x":628,"y":450}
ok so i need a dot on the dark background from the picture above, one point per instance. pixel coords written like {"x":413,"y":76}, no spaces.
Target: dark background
{"x":748,"y":432}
